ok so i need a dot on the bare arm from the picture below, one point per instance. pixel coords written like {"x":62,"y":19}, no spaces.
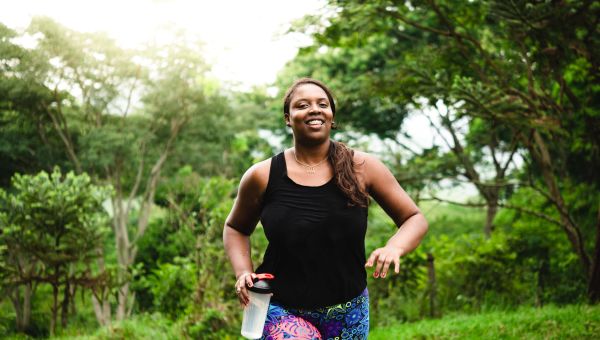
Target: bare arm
{"x":411,"y":223}
{"x":240,"y":224}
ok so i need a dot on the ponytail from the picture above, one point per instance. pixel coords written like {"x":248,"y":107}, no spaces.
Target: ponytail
{"x":342,"y":159}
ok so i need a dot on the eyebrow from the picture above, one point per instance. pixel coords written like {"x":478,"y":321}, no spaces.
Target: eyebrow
{"x":301,"y":99}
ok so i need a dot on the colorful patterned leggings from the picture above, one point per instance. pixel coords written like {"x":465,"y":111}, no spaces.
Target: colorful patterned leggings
{"x":348,"y":320}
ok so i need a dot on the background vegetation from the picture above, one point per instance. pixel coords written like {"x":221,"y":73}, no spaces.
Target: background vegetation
{"x":118,"y":168}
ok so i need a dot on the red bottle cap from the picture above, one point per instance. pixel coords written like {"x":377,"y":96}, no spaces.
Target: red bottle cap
{"x":261,"y":283}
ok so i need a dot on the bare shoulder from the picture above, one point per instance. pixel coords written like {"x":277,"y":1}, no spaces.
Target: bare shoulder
{"x":257,"y":176}
{"x":361,"y":157}
{"x":246,"y":208}
{"x":367,"y":162}
{"x":370,"y":169}
{"x":367,"y":168}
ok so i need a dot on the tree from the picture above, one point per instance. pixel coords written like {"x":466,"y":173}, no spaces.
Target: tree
{"x":525,"y":70}
{"x":52,"y":226}
{"x":21,"y":113}
{"x":119,"y":114}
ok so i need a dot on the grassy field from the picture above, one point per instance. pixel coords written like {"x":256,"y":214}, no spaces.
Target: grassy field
{"x":567,"y":322}
{"x":570,"y":322}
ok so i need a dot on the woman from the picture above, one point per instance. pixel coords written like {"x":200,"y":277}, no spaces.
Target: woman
{"x":312,"y":202}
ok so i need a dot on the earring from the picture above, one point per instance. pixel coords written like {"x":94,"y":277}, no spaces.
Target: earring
{"x":333,"y":125}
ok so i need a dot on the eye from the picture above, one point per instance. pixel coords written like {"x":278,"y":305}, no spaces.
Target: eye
{"x":302,"y":105}
{"x":323,"y":105}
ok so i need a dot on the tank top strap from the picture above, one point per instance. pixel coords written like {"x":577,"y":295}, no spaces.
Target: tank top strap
{"x":276,"y":173}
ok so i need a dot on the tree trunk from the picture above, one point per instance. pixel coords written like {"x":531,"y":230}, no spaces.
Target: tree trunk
{"x":432,"y":286}
{"x":492,"y":210}
{"x":123,"y":302}
{"x":102,"y":309}
{"x":542,"y":274}
{"x":542,"y":155}
{"x":73,"y":307}
{"x":131,"y":305}
{"x":27,"y":293}
{"x":54,"y":308}
{"x":98,"y":311}
{"x":22,"y":308}
{"x":594,"y":281}
{"x":15,"y":298}
{"x":126,"y":248}
{"x":100,"y":297}
{"x":64,"y":313}
{"x":489,"y":192}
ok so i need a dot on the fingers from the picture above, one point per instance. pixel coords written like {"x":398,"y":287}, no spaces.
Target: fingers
{"x":248,"y":279}
{"x":372,"y":258}
{"x":382,"y":260}
{"x":241,"y":292}
{"x":242,"y":301}
{"x":382,"y":265}
{"x":244,"y":281}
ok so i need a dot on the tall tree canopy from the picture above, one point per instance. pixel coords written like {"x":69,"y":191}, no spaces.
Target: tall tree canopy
{"x":506,"y":77}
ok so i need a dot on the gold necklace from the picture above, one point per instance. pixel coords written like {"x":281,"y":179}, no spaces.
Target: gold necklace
{"x":310,"y":169}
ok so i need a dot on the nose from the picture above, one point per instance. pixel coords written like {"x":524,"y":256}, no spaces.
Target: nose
{"x":314,"y":108}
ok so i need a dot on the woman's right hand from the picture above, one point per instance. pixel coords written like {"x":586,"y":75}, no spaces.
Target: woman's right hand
{"x":244,"y":281}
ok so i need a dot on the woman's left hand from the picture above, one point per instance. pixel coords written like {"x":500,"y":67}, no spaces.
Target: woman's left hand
{"x":383,"y":257}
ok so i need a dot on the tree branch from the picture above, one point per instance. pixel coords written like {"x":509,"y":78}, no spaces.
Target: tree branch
{"x":135,"y":79}
{"x":138,"y":177}
{"x":63,"y":131}
{"x":513,"y":147}
{"x":152,"y":182}
{"x":503,"y":205}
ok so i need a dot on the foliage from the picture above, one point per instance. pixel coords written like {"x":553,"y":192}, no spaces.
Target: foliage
{"x":541,"y":248}
{"x":502,"y":78}
{"x":51,"y":229}
{"x":475,"y":273}
{"x":54,"y":219}
{"x":171,"y":286}
{"x":188,"y":277}
{"x":21,"y":119}
{"x":121,"y":114}
{"x":213,"y":326}
{"x":495,"y":80}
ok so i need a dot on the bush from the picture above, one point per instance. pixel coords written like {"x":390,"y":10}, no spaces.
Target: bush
{"x":212,"y":325}
{"x":172,"y":286}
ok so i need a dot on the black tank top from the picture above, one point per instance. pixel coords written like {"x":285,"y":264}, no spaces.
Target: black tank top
{"x":316,"y":242}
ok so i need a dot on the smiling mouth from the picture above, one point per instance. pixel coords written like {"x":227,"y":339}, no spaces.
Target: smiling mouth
{"x":315,"y":122}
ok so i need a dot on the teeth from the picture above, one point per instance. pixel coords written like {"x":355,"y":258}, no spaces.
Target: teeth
{"x":315,"y":121}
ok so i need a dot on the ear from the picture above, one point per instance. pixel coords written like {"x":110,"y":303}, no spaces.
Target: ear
{"x":286,"y":117}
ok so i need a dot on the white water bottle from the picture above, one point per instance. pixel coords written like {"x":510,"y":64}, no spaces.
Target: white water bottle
{"x":255,"y":312}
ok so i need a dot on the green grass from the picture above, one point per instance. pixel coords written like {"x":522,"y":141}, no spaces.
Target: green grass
{"x":569,"y":322}
{"x":144,"y":326}
{"x":551,"y":322}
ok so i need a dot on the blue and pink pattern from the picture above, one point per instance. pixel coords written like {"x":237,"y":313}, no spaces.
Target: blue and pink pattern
{"x":348,"y":320}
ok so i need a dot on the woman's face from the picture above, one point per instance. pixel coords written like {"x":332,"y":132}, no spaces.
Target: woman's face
{"x":310,"y":114}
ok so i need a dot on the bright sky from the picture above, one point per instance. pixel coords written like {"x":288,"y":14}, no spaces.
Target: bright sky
{"x":245,"y":40}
